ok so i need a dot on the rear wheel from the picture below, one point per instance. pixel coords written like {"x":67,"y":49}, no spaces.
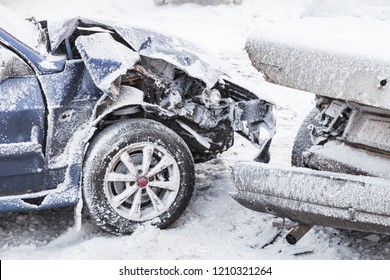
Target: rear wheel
{"x":137,"y":171}
{"x":303,"y":139}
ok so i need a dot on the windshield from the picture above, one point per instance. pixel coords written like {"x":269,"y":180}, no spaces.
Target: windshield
{"x":23,"y":30}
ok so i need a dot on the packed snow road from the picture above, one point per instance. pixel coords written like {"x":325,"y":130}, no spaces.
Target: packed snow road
{"x":214,"y":226}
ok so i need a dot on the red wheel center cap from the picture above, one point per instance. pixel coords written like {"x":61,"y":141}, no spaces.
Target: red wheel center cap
{"x":142,"y":182}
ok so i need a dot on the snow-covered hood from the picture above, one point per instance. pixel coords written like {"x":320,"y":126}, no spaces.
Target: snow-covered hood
{"x":180,"y":53}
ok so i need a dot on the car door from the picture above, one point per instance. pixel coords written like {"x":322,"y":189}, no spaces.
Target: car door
{"x":22,"y":127}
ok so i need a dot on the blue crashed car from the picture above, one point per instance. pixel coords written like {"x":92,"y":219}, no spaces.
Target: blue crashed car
{"x":114,"y":115}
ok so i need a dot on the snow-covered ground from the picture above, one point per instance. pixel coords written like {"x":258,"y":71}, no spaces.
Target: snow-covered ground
{"x":214,"y":226}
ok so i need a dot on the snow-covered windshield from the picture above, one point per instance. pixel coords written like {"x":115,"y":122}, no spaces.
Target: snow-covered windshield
{"x":23,"y":30}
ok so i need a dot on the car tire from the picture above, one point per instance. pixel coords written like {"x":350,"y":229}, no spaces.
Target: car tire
{"x":303,"y":140}
{"x":137,"y":171}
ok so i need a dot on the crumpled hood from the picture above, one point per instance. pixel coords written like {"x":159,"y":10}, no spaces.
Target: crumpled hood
{"x":178,"y":52}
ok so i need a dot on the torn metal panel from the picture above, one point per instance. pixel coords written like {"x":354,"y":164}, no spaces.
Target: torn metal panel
{"x":353,"y":123}
{"x":243,"y":90}
{"x":106,"y":60}
{"x":61,"y":30}
{"x":180,"y":53}
{"x":129,"y":97}
{"x":179,"y":81}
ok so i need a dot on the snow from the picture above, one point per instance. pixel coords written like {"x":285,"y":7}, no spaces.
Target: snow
{"x":214,"y":226}
{"x":21,"y":29}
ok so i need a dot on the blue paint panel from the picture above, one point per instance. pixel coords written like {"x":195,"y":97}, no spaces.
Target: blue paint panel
{"x":68,"y":196}
{"x":22,"y":134}
{"x":22,"y":109}
{"x":69,"y":91}
{"x":19,"y":165}
{"x":20,"y":184}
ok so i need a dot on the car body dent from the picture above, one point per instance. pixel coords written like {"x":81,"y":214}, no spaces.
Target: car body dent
{"x":180,"y":53}
{"x":105,"y":59}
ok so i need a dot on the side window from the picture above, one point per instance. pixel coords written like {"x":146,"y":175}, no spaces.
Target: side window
{"x":12,"y":66}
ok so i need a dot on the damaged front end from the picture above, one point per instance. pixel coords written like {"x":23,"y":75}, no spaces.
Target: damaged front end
{"x":178,"y":85}
{"x":206,"y":118}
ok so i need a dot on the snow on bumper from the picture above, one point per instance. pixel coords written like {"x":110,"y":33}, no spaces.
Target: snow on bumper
{"x":315,"y":197}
